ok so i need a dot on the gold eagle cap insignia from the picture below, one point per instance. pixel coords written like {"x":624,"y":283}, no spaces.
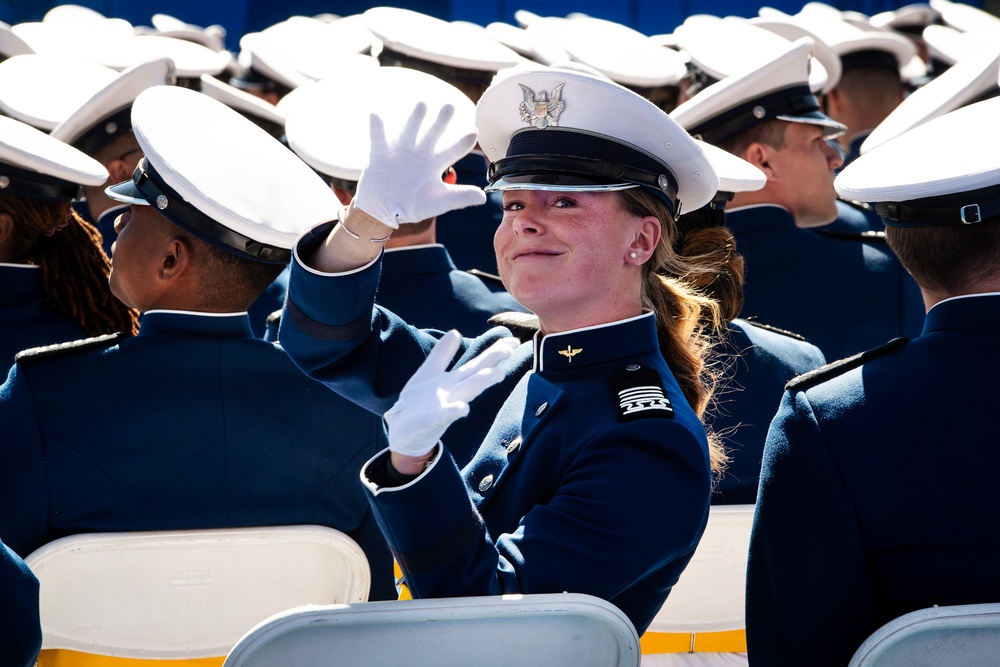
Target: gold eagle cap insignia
{"x":541,"y":109}
{"x":571,"y":352}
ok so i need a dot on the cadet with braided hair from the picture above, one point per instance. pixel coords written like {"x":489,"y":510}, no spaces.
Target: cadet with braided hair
{"x":55,"y":274}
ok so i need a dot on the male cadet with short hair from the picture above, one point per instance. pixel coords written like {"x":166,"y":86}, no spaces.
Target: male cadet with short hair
{"x":467,"y":58}
{"x":213,"y":427}
{"x":419,"y":282}
{"x":878,"y":494}
{"x":843,"y":296}
{"x":20,"y":629}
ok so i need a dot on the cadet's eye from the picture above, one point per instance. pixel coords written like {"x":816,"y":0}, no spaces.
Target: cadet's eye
{"x":564,"y":202}
{"x":512,"y":205}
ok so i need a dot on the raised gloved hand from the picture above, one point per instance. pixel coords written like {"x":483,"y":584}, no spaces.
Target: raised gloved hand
{"x":402,"y":182}
{"x":435,"y":397}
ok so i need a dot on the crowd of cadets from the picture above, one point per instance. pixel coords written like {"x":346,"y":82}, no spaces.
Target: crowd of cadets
{"x":857,"y":229}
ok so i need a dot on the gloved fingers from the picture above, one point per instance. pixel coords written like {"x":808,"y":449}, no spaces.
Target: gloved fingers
{"x":456,"y":151}
{"x":411,"y":131}
{"x":437,"y":360}
{"x":490,"y":357}
{"x":473,"y":385}
{"x":451,"y":198}
{"x":437,"y":128}
{"x":376,"y":136}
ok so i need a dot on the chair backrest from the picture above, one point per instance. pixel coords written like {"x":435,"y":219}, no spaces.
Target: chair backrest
{"x":187,"y":594}
{"x":554,"y":630}
{"x":705,"y":610}
{"x":967,"y":635}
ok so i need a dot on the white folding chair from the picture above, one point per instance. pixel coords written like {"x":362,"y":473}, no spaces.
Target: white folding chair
{"x":550,"y":630}
{"x":184,"y":595}
{"x":967,"y":635}
{"x":705,"y":610}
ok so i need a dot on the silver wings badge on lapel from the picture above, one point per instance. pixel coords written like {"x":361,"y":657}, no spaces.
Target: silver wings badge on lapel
{"x":541,"y":109}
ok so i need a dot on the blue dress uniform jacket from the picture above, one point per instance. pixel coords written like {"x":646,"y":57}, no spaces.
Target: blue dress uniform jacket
{"x":878,"y":494}
{"x":20,"y":630}
{"x":25,"y":321}
{"x":567,"y":491}
{"x":421,"y":285}
{"x":212,"y":428}
{"x":758,"y":361}
{"x":844,"y":296}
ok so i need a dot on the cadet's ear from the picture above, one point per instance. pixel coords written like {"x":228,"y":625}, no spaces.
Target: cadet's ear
{"x":758,"y":155}
{"x":176,"y":259}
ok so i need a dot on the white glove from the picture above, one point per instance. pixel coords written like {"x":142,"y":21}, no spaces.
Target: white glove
{"x":402,"y":182}
{"x":435,"y":397}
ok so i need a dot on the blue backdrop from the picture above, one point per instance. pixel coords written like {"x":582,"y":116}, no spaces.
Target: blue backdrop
{"x":239,"y":17}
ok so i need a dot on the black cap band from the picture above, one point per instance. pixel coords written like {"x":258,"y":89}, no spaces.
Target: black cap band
{"x":544,"y":156}
{"x":115,"y":125}
{"x":33,"y":185}
{"x":869,"y":58}
{"x":392,"y":58}
{"x":794,"y":101}
{"x":944,"y":210}
{"x":170,"y":204}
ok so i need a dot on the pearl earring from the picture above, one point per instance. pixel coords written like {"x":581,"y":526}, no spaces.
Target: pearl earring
{"x":632,"y":255}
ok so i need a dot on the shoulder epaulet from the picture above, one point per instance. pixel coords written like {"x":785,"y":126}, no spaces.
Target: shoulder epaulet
{"x":486,"y":277}
{"x":869,"y":236}
{"x":274,"y":319}
{"x":33,"y":354}
{"x":522,"y":325}
{"x":768,"y":327}
{"x":832,"y":370}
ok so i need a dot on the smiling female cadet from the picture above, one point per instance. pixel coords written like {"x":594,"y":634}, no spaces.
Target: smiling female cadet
{"x":592,"y":472}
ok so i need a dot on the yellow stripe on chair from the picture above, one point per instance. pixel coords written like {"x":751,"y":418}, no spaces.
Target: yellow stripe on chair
{"x":729,"y":641}
{"x":402,"y":590}
{"x":58,"y":657}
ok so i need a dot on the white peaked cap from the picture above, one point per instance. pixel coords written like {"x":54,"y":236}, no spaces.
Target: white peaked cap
{"x":333,"y":138}
{"x":946,"y":171}
{"x":556,"y":129}
{"x":239,"y":189}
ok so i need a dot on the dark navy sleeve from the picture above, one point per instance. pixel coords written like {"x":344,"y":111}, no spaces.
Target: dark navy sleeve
{"x":809,"y":592}
{"x":333,"y":332}
{"x":23,"y":484}
{"x":20,"y":630}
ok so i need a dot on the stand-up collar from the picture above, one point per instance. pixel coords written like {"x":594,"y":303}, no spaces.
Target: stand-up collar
{"x":590,"y":346}
{"x":188,"y":323}
{"x":964,"y":312}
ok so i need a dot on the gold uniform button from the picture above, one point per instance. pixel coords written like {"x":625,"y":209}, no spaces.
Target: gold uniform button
{"x":540,"y":409}
{"x":486,"y":483}
{"x":514,"y":444}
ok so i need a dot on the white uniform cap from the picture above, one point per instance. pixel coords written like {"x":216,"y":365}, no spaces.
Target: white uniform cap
{"x":11,"y":44}
{"x":341,"y":44}
{"x":513,"y":37}
{"x":33,"y":164}
{"x":778,"y":89}
{"x":68,"y":84}
{"x":562,"y":130}
{"x":107,"y":114}
{"x":909,"y":19}
{"x":238,"y":189}
{"x":213,"y":37}
{"x":75,"y":15}
{"x":273,"y":52}
{"x":333,"y":138}
{"x":428,"y":38}
{"x":965,"y":17}
{"x":856,"y":46}
{"x":721,"y":47}
{"x":525,"y":17}
{"x":190,"y":60}
{"x":735,"y":174}
{"x":545,"y":33}
{"x":951,"y":46}
{"x":332,"y":64}
{"x":621,"y":53}
{"x":966,"y":82}
{"x":72,"y":39}
{"x":345,"y":69}
{"x":821,"y":51}
{"x":960,"y":184}
{"x":265,"y":115}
